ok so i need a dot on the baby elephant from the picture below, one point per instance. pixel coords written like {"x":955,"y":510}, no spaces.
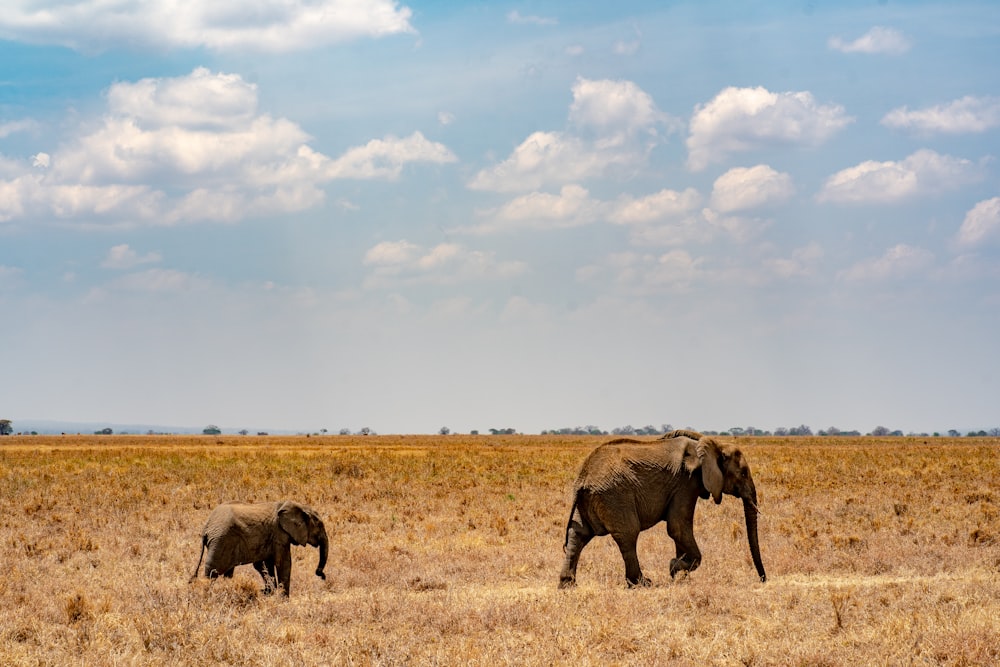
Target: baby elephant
{"x":262,"y":534}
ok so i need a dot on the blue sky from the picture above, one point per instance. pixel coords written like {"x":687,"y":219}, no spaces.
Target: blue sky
{"x":336,"y":214}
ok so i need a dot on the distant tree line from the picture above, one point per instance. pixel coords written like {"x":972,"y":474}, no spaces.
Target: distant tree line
{"x":802,"y":429}
{"x":363,"y":431}
{"x":7,"y":428}
{"x":621,"y":430}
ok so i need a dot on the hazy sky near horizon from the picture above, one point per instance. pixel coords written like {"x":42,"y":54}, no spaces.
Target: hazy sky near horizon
{"x":335,"y":214}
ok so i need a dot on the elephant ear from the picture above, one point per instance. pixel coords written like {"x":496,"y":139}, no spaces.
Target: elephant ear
{"x":292,"y":520}
{"x":711,"y":474}
{"x":690,"y":455}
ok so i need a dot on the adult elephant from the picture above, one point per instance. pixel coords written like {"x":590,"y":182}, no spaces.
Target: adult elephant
{"x":262,"y":534}
{"x":626,"y":486}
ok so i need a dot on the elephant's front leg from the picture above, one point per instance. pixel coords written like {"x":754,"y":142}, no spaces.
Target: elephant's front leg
{"x":626,"y":544}
{"x":266,"y":570}
{"x":577,"y":537}
{"x":688,"y":555}
{"x":282,"y":569}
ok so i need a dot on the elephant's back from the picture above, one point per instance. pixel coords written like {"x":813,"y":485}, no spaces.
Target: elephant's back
{"x":625,"y":462}
{"x":236,"y":514}
{"x":223,"y":512}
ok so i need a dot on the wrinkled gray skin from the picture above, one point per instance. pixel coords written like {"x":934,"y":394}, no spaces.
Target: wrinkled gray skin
{"x":262,"y":534}
{"x":626,"y":486}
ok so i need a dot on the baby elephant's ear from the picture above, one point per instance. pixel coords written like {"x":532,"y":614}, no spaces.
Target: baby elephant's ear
{"x":711,"y":474}
{"x":292,"y":520}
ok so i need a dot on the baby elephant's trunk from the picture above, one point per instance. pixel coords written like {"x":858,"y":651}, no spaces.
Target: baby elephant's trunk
{"x":324,"y":548}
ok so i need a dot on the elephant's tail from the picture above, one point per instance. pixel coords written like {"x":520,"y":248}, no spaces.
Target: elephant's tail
{"x":204,"y":543}
{"x":569,"y":522}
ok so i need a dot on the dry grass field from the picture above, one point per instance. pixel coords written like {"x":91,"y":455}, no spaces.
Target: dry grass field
{"x":446,"y":551}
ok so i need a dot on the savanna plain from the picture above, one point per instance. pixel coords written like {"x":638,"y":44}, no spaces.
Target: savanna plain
{"x":446,"y":550}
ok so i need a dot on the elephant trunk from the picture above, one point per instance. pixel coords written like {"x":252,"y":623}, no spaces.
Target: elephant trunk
{"x":324,"y":549}
{"x":750,"y":512}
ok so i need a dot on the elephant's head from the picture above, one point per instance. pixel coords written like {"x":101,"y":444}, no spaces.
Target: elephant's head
{"x":304,"y":527}
{"x":724,"y":469}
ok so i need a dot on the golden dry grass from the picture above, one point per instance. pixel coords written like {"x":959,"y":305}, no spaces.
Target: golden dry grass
{"x":446,"y":550}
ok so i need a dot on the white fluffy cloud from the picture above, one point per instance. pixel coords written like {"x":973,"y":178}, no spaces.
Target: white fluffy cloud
{"x":981,"y":223}
{"x":203,"y":98}
{"x":664,"y":218}
{"x":672,"y":218}
{"x":385,"y":158}
{"x":391,"y":253}
{"x":614,"y":124}
{"x":744,"y":119}
{"x":190,"y":148}
{"x":264,"y":25}
{"x":614,"y":110}
{"x":899,"y":261}
{"x":395,"y":263}
{"x":657,"y":207}
{"x":204,"y":123}
{"x":966,"y":114}
{"x":922,"y":173}
{"x":751,"y":187}
{"x":123,"y":257}
{"x":572,"y":207}
{"x":542,"y":158}
{"x":877,"y":40}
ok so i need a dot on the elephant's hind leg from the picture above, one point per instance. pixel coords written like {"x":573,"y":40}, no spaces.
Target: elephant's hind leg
{"x":577,"y":537}
{"x":626,"y":544}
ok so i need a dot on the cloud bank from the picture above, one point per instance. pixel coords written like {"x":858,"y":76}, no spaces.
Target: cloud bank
{"x":220,"y":25}
{"x":193,"y":148}
{"x":923,"y":173}
{"x":965,"y":115}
